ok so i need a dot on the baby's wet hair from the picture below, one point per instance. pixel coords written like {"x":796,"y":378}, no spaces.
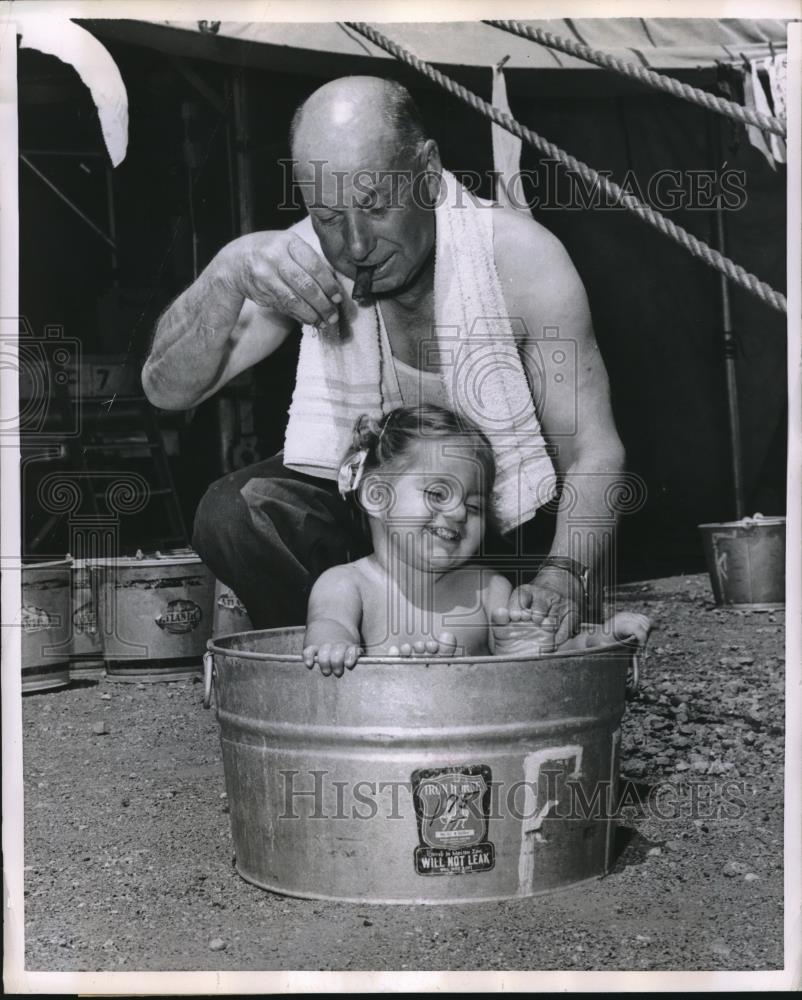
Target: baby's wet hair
{"x":389,"y":440}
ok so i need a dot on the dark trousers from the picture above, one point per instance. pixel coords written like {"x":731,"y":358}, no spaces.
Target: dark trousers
{"x":268,"y":533}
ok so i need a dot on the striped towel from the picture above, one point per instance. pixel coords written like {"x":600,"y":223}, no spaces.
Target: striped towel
{"x":338,"y":380}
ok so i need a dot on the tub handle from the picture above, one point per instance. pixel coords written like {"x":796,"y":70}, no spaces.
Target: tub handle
{"x":634,"y":683}
{"x":208,"y":678}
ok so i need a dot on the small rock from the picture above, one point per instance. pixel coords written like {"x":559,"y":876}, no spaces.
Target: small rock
{"x":106,"y":696}
{"x":733,"y":868}
{"x":720,"y":948}
{"x":108,"y":943}
{"x":125,"y":802}
{"x":751,"y":877}
{"x":643,"y":938}
{"x":217,"y":944}
{"x":223,"y":795}
{"x":681,"y":765}
{"x":367,"y":923}
{"x":141,"y":687}
{"x":100,"y":728}
{"x":673,"y":845}
{"x":654,"y":852}
{"x":701,"y":825}
{"x":635,"y":768}
{"x":747,"y":661}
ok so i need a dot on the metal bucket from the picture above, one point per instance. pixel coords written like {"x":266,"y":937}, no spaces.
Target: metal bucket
{"x":229,"y":612}
{"x":412,"y":781}
{"x":746,"y":561}
{"x":86,"y":653}
{"x":46,"y":625}
{"x":156,"y":615}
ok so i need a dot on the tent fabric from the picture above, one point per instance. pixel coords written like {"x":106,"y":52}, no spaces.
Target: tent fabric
{"x":660,"y":43}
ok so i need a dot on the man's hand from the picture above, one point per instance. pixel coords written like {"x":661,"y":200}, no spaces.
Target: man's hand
{"x":281,"y":272}
{"x":555,"y":600}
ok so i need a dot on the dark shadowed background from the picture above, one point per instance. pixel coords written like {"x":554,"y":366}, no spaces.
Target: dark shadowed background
{"x":656,"y":310}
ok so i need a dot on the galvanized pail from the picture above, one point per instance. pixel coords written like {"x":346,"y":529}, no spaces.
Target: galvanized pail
{"x":413,"y":781}
{"x":86,"y":653}
{"x":46,"y":626}
{"x":746,"y":561}
{"x":156,"y":615}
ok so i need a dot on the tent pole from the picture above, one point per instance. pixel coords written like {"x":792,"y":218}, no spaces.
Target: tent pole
{"x":730,"y":346}
{"x":243,"y":155}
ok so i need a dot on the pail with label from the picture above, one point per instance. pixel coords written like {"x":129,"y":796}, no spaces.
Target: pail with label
{"x":411,"y":781}
{"x":46,"y":625}
{"x":156,"y":615}
{"x":746,"y":561}
{"x":230,"y":615}
{"x":86,"y":653}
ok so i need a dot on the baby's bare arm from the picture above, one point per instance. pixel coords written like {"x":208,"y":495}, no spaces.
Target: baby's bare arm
{"x":332,"y":623}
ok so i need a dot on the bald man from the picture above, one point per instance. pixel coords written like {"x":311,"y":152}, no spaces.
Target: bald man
{"x":268,"y":532}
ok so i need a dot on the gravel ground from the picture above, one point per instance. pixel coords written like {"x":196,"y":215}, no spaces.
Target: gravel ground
{"x":128,"y":854}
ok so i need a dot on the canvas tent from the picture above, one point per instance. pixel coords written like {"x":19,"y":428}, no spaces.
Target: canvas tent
{"x":656,"y":311}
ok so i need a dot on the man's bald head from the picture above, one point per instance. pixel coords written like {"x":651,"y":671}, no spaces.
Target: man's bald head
{"x":353,"y":108}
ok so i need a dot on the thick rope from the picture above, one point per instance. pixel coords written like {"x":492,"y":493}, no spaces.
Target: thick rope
{"x":617,"y":194}
{"x":649,"y":77}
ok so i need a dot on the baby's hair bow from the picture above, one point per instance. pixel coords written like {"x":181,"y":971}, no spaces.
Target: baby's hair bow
{"x":351,"y":471}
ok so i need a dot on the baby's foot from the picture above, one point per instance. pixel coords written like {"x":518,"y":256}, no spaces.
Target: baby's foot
{"x":515,"y":633}
{"x":617,"y":628}
{"x":444,"y":645}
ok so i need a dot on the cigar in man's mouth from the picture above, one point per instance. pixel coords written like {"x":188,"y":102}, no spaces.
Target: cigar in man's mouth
{"x":364,"y":277}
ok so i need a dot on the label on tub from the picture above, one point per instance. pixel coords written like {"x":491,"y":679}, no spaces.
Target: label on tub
{"x":35,"y":619}
{"x":452,"y":807}
{"x":180,"y":617}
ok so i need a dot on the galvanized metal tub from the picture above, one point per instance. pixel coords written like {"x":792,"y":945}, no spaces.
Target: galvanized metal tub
{"x":156,"y":615}
{"x":46,"y":625}
{"x":86,"y":652}
{"x":229,"y":612}
{"x":412,"y":781}
{"x":746,"y":561}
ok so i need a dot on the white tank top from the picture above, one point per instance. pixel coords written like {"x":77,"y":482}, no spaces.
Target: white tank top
{"x":417,"y":386}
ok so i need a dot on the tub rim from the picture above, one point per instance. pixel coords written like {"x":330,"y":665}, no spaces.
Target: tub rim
{"x":628,"y":645}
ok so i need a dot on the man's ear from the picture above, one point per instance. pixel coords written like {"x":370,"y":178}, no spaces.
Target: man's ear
{"x":430,"y":164}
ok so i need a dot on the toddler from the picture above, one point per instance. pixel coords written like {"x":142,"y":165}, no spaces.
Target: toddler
{"x":423,"y":478}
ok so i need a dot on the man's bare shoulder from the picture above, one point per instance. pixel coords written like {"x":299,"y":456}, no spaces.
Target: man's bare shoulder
{"x":538,"y":277}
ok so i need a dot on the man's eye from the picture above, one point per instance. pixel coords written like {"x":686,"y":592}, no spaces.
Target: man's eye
{"x":473,"y":507}
{"x":437,"y":493}
{"x":326,"y":220}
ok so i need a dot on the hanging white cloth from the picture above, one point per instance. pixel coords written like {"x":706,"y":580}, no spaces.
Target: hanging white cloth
{"x":770,"y":145}
{"x":506,"y":151}
{"x":75,"y":46}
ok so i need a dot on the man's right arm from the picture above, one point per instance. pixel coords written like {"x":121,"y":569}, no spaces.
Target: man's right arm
{"x":237,"y":312}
